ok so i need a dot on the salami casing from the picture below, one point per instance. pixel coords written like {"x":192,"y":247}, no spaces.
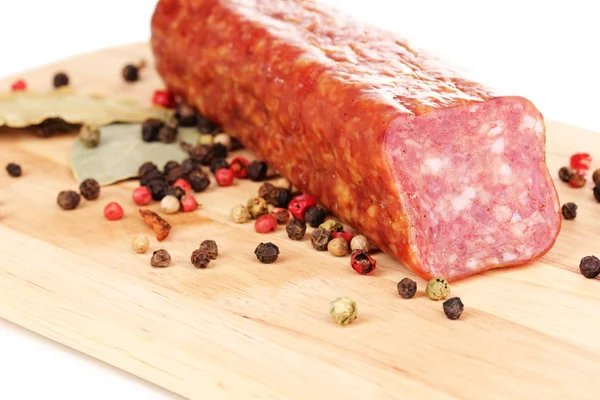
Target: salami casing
{"x":437,"y":170}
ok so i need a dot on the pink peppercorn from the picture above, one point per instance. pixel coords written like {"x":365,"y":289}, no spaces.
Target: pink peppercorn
{"x":18,"y":85}
{"x":142,"y":196}
{"x":347,"y":236}
{"x":224,"y":177}
{"x":182,"y":183}
{"x":239,"y":167}
{"x":300,"y":204}
{"x":265,"y":224}
{"x":163,"y":98}
{"x":362,"y":263}
{"x":113,"y":211}
{"x":188,"y":203}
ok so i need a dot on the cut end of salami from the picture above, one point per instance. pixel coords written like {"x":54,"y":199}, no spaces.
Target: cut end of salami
{"x":475,"y":187}
{"x":435,"y":169}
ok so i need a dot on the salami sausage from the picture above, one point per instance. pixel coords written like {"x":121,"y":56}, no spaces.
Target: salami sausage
{"x":437,"y":170}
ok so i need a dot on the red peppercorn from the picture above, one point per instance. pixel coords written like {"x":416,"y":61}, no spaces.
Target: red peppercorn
{"x":182,"y":183}
{"x":113,"y":211}
{"x":142,"y":196}
{"x":188,"y":203}
{"x":362,"y":263}
{"x":163,"y":98}
{"x":265,"y":224}
{"x":18,"y":85}
{"x":239,"y":167}
{"x":224,"y":177}
{"x":577,"y":180}
{"x":581,"y":162}
{"x":347,"y":236}
{"x":300,"y":204}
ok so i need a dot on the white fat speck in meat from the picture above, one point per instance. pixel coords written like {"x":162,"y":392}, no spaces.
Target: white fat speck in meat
{"x":465,"y":199}
{"x":528,"y":122}
{"x":502,"y":213}
{"x":496,"y":130}
{"x":485,"y":197}
{"x":432,"y":165}
{"x":485,"y":128}
{"x":472,"y":263}
{"x":515,"y":218}
{"x":412,"y":143}
{"x":489,"y":239}
{"x":508,"y":256}
{"x":505,"y":170}
{"x":452,"y":259}
{"x":498,"y":146}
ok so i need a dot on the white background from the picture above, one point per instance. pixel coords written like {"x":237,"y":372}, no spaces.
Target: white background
{"x":546,"y":51}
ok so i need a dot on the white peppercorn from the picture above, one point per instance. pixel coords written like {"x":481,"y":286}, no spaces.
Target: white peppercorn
{"x":140,"y":244}
{"x":360,"y":242}
{"x":240,"y":214}
{"x":224,"y":139}
{"x":338,"y":247}
{"x":170,"y":204}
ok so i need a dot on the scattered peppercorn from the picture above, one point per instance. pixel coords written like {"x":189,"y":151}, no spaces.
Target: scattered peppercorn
{"x":204,"y":125}
{"x":68,"y":199}
{"x":596,"y":176}
{"x":596,"y":192}
{"x":267,"y":253}
{"x":167,"y":134}
{"x":188,"y":203}
{"x":130,"y":73}
{"x":14,"y":170}
{"x":175,"y":191}
{"x":170,"y":165}
{"x":299,"y":204}
{"x":407,"y":288}
{"x":268,"y":192}
{"x":338,"y":247}
{"x":174,"y":175}
{"x":223,"y":139}
{"x":145,"y":168}
{"x":565,"y":173}
{"x":152,"y":176}
{"x":160,"y":227}
{"x":265,"y":224}
{"x":296,"y":229}
{"x":362,"y":263}
{"x":163,"y":98}
{"x":183,"y":184}
{"x":315,"y":216}
{"x":282,"y":197}
{"x":200,"y":258}
{"x":170,"y":204}
{"x":89,"y":136}
{"x":210,"y":247}
{"x":113,"y":211}
{"x":158,"y":189}
{"x":217,"y":164}
{"x":140,"y":243}
{"x":189,"y":165}
{"x":186,"y":115}
{"x":569,"y":210}
{"x":198,"y":180}
{"x":319,"y":238}
{"x":282,"y":215}
{"x":257,"y":207}
{"x":224,"y":177}
{"x":257,"y":171}
{"x":18,"y":85}
{"x":239,"y":167}
{"x":142,"y":196}
{"x":206,"y":139}
{"x":438,"y":288}
{"x":589,"y":266}
{"x":453,"y":308}
{"x":577,"y":181}
{"x":219,"y":150}
{"x":332,"y":226}
{"x":239,"y":214}
{"x":360,"y":242}
{"x":60,"y":79}
{"x":90,"y":189}
{"x":150,"y":129}
{"x":160,"y":259}
{"x":347,"y":236}
{"x":343,"y":310}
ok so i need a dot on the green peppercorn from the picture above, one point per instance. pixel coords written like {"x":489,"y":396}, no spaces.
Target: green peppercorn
{"x":332,"y":226}
{"x":438,"y":288}
{"x":89,"y":136}
{"x":257,"y":207}
{"x":343,"y":310}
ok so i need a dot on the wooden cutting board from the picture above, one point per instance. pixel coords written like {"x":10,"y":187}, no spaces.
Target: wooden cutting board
{"x":240,"y":329}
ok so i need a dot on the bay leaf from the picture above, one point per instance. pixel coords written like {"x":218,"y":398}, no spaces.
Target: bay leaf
{"x":121,"y":152}
{"x":26,"y":108}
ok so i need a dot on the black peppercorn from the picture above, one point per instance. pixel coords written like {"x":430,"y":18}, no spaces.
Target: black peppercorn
{"x":235,"y":144}
{"x":130,"y":73}
{"x":186,"y":115}
{"x":596,"y":192}
{"x":169,"y":165}
{"x":596,"y":177}
{"x":282,"y":198}
{"x":60,"y":79}
{"x":319,"y":238}
{"x":68,"y":199}
{"x":268,"y":192}
{"x":589,"y":266}
{"x":257,"y":171}
{"x":150,"y":129}
{"x":565,"y":173}
{"x":89,"y":189}
{"x":158,"y":189}
{"x":219,"y":150}
{"x":189,"y":165}
{"x":569,"y":210}
{"x":407,"y":288}
{"x":211,"y":248}
{"x":152,"y":176}
{"x":176,"y":191}
{"x":175,"y":174}
{"x":453,"y":308}
{"x":295,"y":229}
{"x":198,"y":180}
{"x":167,"y":134}
{"x":201,"y":154}
{"x":200,"y":258}
{"x":315,"y":216}
{"x":14,"y":170}
{"x":160,"y":258}
{"x":217,"y":164}
{"x":204,"y":125}
{"x":267,"y":253}
{"x":145,"y":168}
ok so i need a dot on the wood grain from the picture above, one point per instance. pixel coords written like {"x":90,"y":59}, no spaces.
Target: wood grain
{"x":240,"y":329}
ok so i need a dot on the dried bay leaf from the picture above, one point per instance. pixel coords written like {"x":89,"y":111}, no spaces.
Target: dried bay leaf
{"x":26,"y":108}
{"x":122,"y":151}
